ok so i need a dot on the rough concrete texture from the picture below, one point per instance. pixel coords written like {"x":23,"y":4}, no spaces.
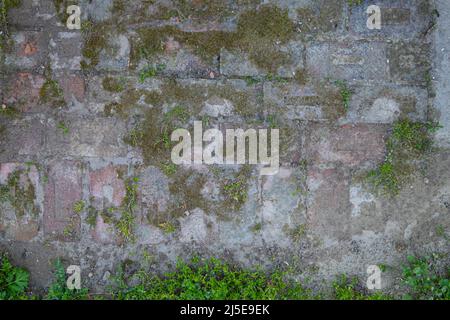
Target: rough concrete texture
{"x":88,"y":122}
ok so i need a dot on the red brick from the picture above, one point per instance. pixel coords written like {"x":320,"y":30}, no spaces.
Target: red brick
{"x":62,"y":190}
{"x":103,"y":232}
{"x":105,"y":184}
{"x":24,"y":92}
{"x":73,"y":86}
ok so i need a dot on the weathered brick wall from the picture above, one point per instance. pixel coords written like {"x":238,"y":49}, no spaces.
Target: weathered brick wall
{"x":85,"y":114}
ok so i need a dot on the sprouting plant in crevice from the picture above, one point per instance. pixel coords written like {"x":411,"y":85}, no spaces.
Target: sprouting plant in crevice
{"x":408,"y":141}
{"x":346,"y":93}
{"x":63,"y":127}
{"x":126,"y":222}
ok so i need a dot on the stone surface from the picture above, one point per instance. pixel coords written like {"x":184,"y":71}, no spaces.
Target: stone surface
{"x":408,"y":62}
{"x":65,"y":51}
{"x":348,"y":145}
{"x":74,"y":89}
{"x":388,"y":104}
{"x":441,"y":79}
{"x":86,"y":137}
{"x":399,"y":20}
{"x":117,"y":57}
{"x":328,"y":203}
{"x":106,"y":185}
{"x":334,"y":89}
{"x":30,"y":131}
{"x":352,"y":61}
{"x":28,"y":50}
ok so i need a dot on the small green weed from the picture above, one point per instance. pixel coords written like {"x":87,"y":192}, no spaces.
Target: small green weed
{"x":421,"y":275}
{"x":169,"y":169}
{"x":167,"y":227}
{"x":150,"y":72}
{"x":63,"y":127}
{"x":13,"y":280}
{"x":59,"y":290}
{"x":78,"y":206}
{"x":237,"y":191}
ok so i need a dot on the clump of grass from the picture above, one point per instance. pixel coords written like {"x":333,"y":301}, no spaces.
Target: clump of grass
{"x":177,"y":113}
{"x":152,"y":135}
{"x":347,"y":289}
{"x":8,"y":111}
{"x":408,"y":141}
{"x":211,"y":280}
{"x":91,"y":218}
{"x":252,"y":80}
{"x":297,"y":233}
{"x":134,"y":137}
{"x":272,"y":121}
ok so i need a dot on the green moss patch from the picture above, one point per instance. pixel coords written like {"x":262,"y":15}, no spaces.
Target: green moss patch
{"x":236,"y":188}
{"x":52,"y":94}
{"x":259,"y":34}
{"x":95,"y":40}
{"x":113,"y":85}
{"x":20,"y":193}
{"x":61,"y":8}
